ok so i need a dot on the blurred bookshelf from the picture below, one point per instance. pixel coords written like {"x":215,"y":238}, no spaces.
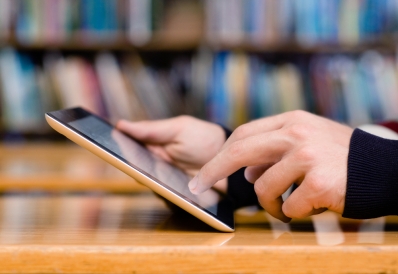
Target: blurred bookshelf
{"x":165,"y":42}
{"x":228,"y":61}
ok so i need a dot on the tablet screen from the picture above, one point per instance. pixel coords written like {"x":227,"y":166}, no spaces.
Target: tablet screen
{"x":137,"y":156}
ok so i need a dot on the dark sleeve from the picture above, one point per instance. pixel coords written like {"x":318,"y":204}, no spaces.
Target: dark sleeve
{"x":240,"y":190}
{"x":372,"y":178}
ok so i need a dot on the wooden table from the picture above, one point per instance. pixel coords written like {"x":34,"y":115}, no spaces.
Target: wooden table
{"x":45,"y":229}
{"x":59,"y":167}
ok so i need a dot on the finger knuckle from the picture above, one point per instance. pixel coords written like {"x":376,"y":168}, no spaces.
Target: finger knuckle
{"x":298,"y":114}
{"x":292,"y":211}
{"x":149,"y":135}
{"x":235,"y":150}
{"x":299,"y":131}
{"x":306,"y":154}
{"x":288,"y":210}
{"x":241,"y":132}
{"x":205,"y":173}
{"x":184,"y":119}
{"x":262,"y":189}
{"x":259,"y":189}
{"x":314,"y":184}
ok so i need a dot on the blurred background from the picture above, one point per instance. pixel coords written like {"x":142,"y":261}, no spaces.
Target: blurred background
{"x":227,"y":61}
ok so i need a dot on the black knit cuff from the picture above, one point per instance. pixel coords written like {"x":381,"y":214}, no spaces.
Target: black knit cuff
{"x":239,"y":189}
{"x":372,"y":180}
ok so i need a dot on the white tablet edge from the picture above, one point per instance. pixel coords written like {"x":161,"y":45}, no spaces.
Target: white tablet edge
{"x":159,"y":189}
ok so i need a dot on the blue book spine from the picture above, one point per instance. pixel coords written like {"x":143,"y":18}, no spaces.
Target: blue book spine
{"x":22,"y":23}
{"x":254,"y":80}
{"x":328,"y":17}
{"x":111,"y":10}
{"x":84,"y":7}
{"x":218,"y":97}
{"x":31,"y":103}
{"x":249,"y":16}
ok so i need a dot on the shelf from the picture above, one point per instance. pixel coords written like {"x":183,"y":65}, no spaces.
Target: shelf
{"x":160,"y":42}
{"x":176,"y":42}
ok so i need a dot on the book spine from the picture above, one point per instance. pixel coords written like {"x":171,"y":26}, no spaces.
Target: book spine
{"x":7,"y":12}
{"x":139,"y":21}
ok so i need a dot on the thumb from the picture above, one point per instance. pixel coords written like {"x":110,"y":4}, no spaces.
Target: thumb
{"x":158,"y":132}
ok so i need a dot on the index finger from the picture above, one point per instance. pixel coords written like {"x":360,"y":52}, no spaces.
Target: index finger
{"x":255,"y":150}
{"x":259,"y":126}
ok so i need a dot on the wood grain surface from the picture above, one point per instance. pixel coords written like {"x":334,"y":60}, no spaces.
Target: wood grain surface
{"x":62,"y":167}
{"x":55,"y":230}
{"x":137,"y":233}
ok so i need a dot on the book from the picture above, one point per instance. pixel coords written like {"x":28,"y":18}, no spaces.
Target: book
{"x":146,"y":89}
{"x":113,"y":87}
{"x":226,"y":22}
{"x":218,"y":101}
{"x":139,"y":23}
{"x":21,"y":106}
{"x":288,"y":82}
{"x":237,"y":83}
{"x":197,"y":94}
{"x":99,"y":20}
{"x":348,"y":26}
{"x":7,"y":13}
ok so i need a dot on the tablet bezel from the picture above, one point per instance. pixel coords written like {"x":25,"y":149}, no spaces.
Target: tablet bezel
{"x":224,"y":222}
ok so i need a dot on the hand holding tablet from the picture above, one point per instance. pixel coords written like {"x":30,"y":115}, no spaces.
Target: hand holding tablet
{"x":155,"y":171}
{"x":184,"y":141}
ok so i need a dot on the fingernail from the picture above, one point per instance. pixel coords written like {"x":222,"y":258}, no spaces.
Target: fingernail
{"x":248,"y":176}
{"x":193,"y":184}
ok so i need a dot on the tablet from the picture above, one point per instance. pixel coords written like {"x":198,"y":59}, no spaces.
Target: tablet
{"x":101,"y":138}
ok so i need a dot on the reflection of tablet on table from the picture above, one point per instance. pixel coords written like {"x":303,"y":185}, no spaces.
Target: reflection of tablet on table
{"x":101,"y":138}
